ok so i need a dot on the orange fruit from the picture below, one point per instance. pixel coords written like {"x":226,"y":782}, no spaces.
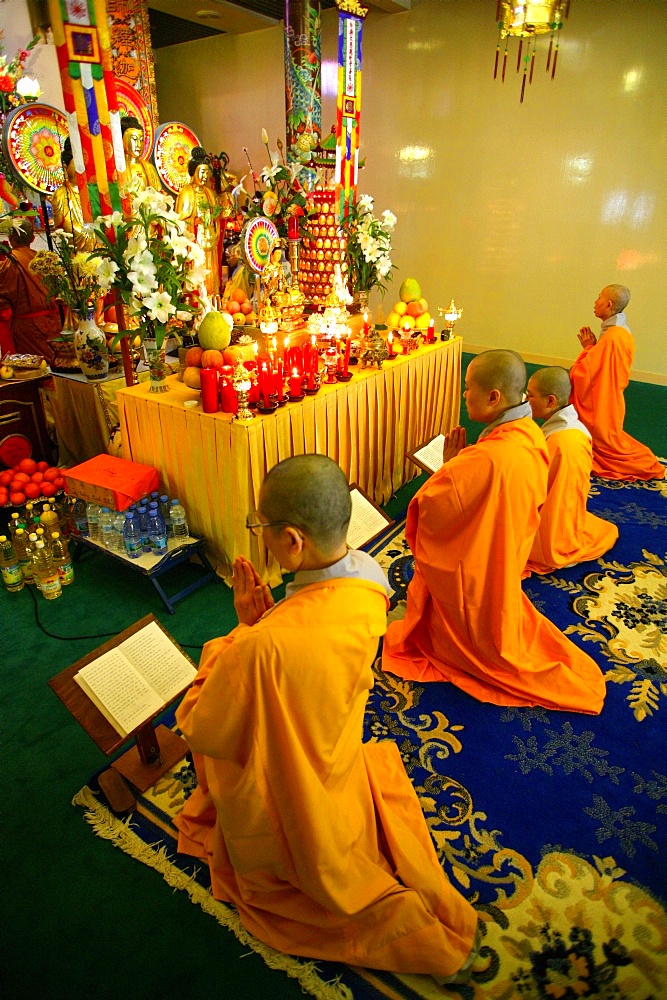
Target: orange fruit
{"x":400,"y":308}
{"x":33,"y":490}
{"x":246,"y":307}
{"x":48,"y":488}
{"x":17,"y":499}
{"x":193,"y":357}
{"x":414,"y":309}
{"x":28,"y":465}
{"x":238,"y":295}
{"x":233,"y":306}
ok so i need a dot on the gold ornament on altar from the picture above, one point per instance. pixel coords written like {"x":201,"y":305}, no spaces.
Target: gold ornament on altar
{"x":451,"y":315}
{"x":373,"y":349}
{"x":526,"y":20}
{"x":242,"y":381}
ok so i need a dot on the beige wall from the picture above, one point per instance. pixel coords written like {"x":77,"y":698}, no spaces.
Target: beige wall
{"x":522,"y":212}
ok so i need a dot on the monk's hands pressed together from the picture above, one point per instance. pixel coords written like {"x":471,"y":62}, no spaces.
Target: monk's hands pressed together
{"x":455,"y":441}
{"x":252,"y":598}
{"x":586,"y":337}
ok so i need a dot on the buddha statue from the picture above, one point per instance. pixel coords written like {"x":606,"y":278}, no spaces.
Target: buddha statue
{"x":139,"y":174}
{"x":66,"y":204}
{"x":199,"y":206}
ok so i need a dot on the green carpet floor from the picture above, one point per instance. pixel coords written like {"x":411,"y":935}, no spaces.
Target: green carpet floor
{"x":80,"y":919}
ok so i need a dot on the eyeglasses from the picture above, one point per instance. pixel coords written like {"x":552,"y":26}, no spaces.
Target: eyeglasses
{"x":256,"y":527}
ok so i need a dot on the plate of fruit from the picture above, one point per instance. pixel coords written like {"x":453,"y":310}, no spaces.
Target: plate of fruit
{"x":30,"y":480}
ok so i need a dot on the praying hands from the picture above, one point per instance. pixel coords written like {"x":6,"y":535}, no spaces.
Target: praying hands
{"x":252,"y":598}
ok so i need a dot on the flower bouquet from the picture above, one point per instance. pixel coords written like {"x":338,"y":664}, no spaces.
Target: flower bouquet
{"x":368,"y":247}
{"x":278,"y":191}
{"x":152,"y":265}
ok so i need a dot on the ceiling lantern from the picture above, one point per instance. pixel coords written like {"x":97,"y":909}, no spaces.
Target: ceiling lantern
{"x":526,"y":21}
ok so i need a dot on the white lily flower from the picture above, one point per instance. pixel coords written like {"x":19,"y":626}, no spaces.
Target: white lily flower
{"x":159,"y":306}
{"x":106,"y":270}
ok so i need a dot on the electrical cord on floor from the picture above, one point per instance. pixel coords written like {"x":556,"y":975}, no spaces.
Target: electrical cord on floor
{"x":32,"y":590}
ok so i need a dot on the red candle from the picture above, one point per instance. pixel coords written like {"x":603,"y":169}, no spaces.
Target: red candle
{"x":346,"y":357}
{"x":339,"y":357}
{"x":390,"y":344}
{"x":431,"y":332}
{"x":295,"y":383}
{"x":228,"y":401}
{"x":314,"y":356}
{"x":209,"y":390}
{"x":293,"y":227}
{"x":280,"y":380}
{"x":311,"y":379}
{"x":365,"y":324}
{"x":297,"y":358}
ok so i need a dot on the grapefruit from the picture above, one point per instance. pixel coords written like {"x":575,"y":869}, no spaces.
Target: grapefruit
{"x":215,"y":331}
{"x":410,"y":290}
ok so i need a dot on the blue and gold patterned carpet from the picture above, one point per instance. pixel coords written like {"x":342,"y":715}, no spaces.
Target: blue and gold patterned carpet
{"x":553,"y":824}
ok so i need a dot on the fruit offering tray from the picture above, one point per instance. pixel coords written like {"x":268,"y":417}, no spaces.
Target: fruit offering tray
{"x":28,"y":480}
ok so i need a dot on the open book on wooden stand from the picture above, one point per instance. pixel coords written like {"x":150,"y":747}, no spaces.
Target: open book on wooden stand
{"x":367,"y":520}
{"x":117,"y":691}
{"x":428,"y":456}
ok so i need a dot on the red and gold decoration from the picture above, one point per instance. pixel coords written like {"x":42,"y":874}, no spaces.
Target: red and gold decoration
{"x":132,"y":52}
{"x":34,"y":138}
{"x":526,"y":20}
{"x":174,"y":143}
{"x":326,"y":248}
{"x":303,"y":86}
{"x":348,"y":105}
{"x":83,"y":47}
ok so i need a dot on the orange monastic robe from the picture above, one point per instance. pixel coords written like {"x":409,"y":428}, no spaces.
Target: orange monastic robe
{"x":568,"y":533}
{"x":599,"y":378}
{"x":35,"y":322}
{"x":317,"y":839}
{"x":470,"y":528}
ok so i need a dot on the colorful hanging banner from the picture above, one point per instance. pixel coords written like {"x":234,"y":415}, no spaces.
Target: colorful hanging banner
{"x":83,"y":46}
{"x":303,"y":80}
{"x":348,"y":106}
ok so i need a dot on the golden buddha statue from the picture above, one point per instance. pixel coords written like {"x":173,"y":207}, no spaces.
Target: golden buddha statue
{"x":66,"y":204}
{"x":199,"y":206}
{"x":139,"y":174}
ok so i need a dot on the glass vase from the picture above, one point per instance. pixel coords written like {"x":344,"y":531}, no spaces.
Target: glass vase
{"x":359,"y":303}
{"x":90,"y":344}
{"x":156,"y":360}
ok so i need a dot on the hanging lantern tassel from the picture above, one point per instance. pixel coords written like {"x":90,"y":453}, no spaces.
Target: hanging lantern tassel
{"x":507,"y":41}
{"x":551,"y":45}
{"x":518,"y":57}
{"x":495,"y":68}
{"x":553,"y":71}
{"x":532,"y":61}
{"x":523,"y":82}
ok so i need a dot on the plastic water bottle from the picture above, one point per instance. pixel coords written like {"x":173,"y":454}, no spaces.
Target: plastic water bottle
{"x":179,"y":519}
{"x":81,"y":517}
{"x":132,"y":536}
{"x":143,"y":528}
{"x":46,"y":573}
{"x":155,"y":495}
{"x":157,"y":531}
{"x":93,"y":512}
{"x":31,"y":518}
{"x":12,"y":577}
{"x":106,"y":525}
{"x":24,"y":555}
{"x":61,"y":559}
{"x":118,"y":525}
{"x":165,"y":510}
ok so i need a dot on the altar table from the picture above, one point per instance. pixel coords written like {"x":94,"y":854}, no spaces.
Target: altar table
{"x":215,"y":465}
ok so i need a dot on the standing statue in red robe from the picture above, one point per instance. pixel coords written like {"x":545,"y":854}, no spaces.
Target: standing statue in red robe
{"x":316,"y":838}
{"x":470,"y":529}
{"x":599,"y":378}
{"x":568,"y":533}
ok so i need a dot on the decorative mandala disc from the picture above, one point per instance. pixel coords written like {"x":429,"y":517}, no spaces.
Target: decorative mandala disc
{"x":132,"y":105}
{"x":173,"y":148}
{"x":33,"y":139}
{"x":257,"y":241}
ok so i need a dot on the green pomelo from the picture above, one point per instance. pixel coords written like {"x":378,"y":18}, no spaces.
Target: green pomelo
{"x":215,"y":331}
{"x":410,"y":290}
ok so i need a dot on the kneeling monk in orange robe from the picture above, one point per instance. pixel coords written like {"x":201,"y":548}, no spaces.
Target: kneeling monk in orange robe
{"x":599,"y":378}
{"x":568,"y":533}
{"x":317,"y":839}
{"x":470,"y":528}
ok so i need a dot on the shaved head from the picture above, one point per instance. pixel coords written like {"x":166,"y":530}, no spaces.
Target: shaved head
{"x":618,"y":295}
{"x":311,"y":493}
{"x":552,"y":382}
{"x":501,"y":370}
